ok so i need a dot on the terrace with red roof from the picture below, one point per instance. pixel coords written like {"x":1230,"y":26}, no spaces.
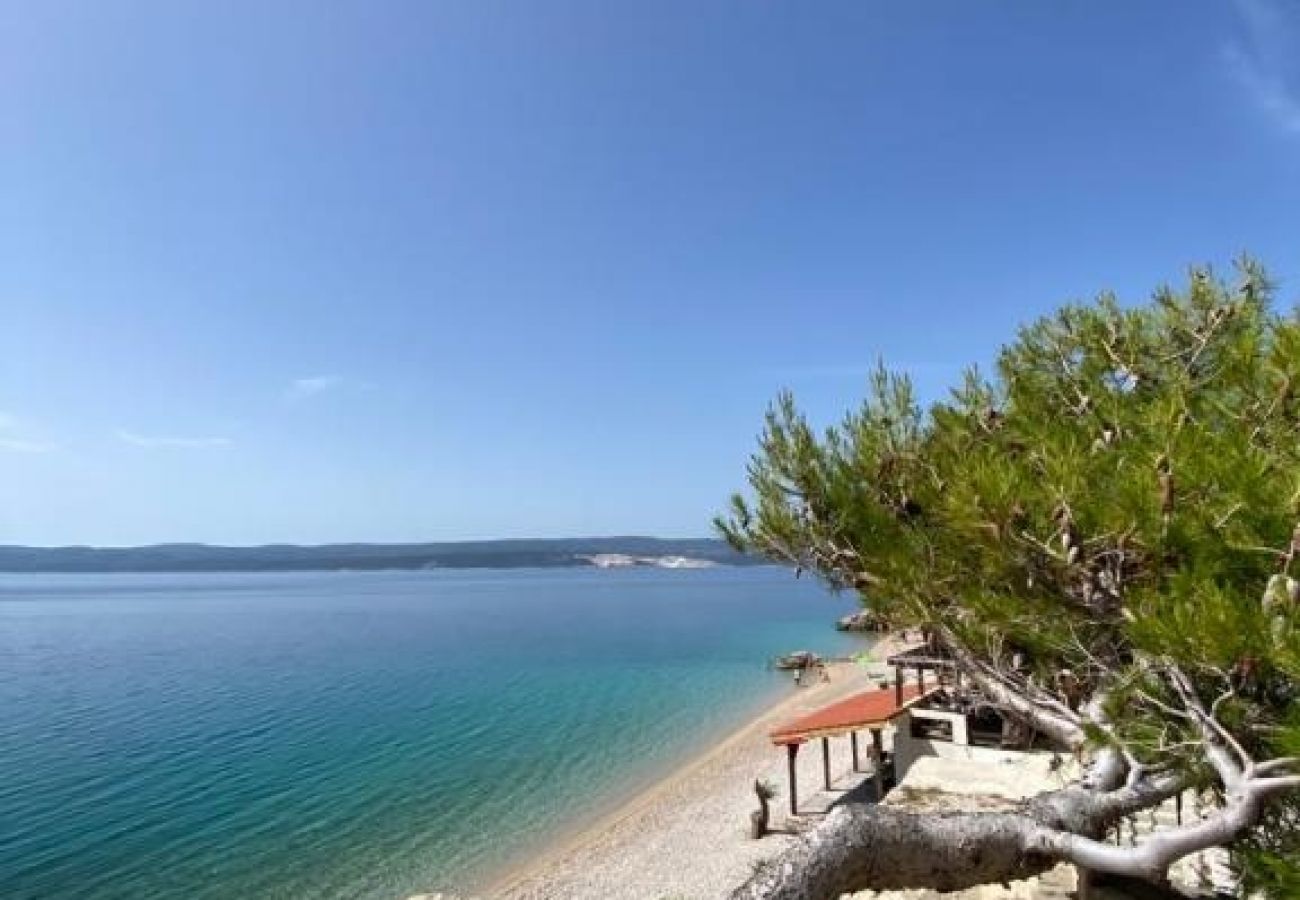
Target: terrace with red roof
{"x":871,"y":710}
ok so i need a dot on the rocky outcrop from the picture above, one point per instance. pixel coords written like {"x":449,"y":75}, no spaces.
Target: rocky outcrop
{"x":799,"y":659}
{"x":862,"y":620}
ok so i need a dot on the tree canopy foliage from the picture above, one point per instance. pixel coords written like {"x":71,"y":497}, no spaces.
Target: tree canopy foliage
{"x":1104,"y":530}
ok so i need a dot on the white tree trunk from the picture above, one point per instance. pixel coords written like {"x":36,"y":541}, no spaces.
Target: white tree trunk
{"x":868,"y":847}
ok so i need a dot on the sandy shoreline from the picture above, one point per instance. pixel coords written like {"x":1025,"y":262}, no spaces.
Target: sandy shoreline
{"x":685,"y":837}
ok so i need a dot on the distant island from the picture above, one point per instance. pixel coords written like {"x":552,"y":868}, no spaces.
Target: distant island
{"x":605,"y":553}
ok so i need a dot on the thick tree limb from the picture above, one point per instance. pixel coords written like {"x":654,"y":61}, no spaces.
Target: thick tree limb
{"x":1270,"y":766}
{"x":1151,"y":859}
{"x":861,"y":846}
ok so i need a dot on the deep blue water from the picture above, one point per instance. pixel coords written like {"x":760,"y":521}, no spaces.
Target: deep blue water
{"x":337,"y":735}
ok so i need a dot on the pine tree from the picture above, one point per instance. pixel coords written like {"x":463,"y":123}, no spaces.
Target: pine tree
{"x":1104,"y":534}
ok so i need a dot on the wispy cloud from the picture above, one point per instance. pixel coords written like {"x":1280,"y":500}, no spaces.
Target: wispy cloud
{"x":22,"y":445}
{"x":13,"y":438}
{"x":190,"y":443}
{"x":1265,"y":61}
{"x":304,"y":388}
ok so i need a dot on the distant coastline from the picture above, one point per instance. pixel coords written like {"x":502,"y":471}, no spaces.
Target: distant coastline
{"x":607,"y":552}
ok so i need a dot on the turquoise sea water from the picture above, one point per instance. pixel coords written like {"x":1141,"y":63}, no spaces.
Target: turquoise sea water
{"x":357,"y":735}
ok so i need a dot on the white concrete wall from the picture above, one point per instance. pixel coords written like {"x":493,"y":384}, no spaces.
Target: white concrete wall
{"x":907,"y":749}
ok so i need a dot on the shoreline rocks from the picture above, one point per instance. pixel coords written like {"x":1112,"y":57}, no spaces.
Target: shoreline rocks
{"x":799,"y":659}
{"x":862,"y":620}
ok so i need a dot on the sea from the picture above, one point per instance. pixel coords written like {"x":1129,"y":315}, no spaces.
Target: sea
{"x":361,"y":734}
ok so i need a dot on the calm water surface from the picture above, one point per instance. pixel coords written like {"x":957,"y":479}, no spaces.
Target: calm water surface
{"x":357,"y":735}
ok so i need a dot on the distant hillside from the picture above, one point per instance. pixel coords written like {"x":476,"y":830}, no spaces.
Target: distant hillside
{"x":508,"y":554}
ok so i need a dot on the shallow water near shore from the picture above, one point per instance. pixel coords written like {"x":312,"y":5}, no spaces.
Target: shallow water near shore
{"x":365,"y":735}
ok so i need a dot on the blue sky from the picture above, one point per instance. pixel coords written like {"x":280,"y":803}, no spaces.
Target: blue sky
{"x":294,"y":271}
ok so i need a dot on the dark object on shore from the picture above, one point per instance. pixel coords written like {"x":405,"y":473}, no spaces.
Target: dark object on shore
{"x":759,"y":819}
{"x":799,"y":659}
{"x":862,"y":620}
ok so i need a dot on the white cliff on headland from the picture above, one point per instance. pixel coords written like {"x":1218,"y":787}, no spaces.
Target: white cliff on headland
{"x":624,"y":561}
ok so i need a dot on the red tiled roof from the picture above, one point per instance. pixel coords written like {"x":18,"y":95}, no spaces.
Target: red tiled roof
{"x":870,"y":709}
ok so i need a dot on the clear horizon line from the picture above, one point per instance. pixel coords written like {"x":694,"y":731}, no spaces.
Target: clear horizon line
{"x":356,"y":543}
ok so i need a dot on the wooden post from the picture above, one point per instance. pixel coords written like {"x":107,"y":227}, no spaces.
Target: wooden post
{"x":791,"y":751}
{"x":898,"y":685}
{"x":826,"y":762}
{"x":853,"y":742}
{"x":878,"y":751}
{"x":920,"y":678}
{"x":1178,"y":809}
{"x":1084,"y":877}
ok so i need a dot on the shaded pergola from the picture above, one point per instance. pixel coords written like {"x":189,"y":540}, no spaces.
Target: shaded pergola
{"x":869,"y":710}
{"x":920,"y":660}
